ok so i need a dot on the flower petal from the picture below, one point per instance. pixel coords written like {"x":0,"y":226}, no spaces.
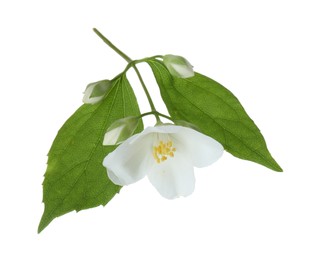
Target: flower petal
{"x":183,"y":71}
{"x":164,"y":129}
{"x":174,"y":177}
{"x":203,"y":149}
{"x":114,"y":178}
{"x":130,"y":161}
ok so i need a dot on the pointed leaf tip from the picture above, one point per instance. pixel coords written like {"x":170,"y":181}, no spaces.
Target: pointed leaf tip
{"x":75,"y":178}
{"x":211,"y":107}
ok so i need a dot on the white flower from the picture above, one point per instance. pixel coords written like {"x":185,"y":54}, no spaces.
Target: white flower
{"x":166,"y":154}
{"x":178,"y":66}
{"x":96,"y":91}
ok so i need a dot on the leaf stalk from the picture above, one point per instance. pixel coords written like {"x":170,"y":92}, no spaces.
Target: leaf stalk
{"x":130,"y":61}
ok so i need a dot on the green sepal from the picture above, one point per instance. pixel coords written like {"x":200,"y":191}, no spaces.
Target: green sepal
{"x":99,"y":88}
{"x":120,"y":130}
{"x":211,"y":107}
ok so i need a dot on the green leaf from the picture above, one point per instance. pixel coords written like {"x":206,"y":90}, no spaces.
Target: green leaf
{"x":215,"y":111}
{"x":75,"y":178}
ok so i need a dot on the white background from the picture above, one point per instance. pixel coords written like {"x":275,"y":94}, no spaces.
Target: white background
{"x":263,"y":51}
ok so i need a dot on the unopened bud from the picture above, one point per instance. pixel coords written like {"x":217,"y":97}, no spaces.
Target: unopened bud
{"x":178,"y":66}
{"x":96,"y":91}
{"x":120,"y":130}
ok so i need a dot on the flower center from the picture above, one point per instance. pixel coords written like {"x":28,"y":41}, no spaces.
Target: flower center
{"x":163,"y":150}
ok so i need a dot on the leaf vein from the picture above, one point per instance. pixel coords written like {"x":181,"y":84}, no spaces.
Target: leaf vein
{"x":85,"y":168}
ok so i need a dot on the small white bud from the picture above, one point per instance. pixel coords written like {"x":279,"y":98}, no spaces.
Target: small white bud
{"x":96,"y":91}
{"x":178,"y":66}
{"x":120,"y":130}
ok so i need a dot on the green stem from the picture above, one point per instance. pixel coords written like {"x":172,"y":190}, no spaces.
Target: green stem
{"x":151,"y":103}
{"x":155,"y":113}
{"x":134,"y":62}
{"x":129,"y":60}
{"x":112,"y":46}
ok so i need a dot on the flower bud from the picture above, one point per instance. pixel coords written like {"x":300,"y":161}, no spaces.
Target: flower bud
{"x":96,"y":91}
{"x":178,"y":66}
{"x":120,"y":130}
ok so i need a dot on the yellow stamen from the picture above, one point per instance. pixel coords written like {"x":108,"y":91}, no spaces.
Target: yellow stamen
{"x":163,"y":150}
